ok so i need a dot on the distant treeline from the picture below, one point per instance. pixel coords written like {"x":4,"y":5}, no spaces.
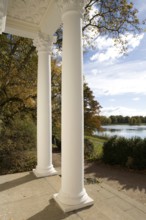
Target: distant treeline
{"x":119,"y":119}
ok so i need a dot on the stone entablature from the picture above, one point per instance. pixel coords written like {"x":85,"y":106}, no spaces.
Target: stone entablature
{"x":26,"y":18}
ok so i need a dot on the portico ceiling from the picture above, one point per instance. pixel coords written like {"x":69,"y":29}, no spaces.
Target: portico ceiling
{"x":27,"y":17}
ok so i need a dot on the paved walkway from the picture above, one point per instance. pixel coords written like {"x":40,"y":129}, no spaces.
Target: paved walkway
{"x":24,"y":197}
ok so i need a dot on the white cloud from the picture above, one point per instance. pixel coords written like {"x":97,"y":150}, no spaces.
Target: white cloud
{"x":110,"y":54}
{"x":117,"y":79}
{"x":136,"y":99}
{"x":107,"y":51}
{"x":112,"y":100}
{"x":133,"y":41}
{"x":121,"y":110}
{"x":126,"y":78}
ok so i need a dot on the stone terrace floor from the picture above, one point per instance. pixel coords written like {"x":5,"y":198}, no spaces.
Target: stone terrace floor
{"x":25,"y":197}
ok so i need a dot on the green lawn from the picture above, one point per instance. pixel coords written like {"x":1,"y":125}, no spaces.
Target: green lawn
{"x":98,"y":146}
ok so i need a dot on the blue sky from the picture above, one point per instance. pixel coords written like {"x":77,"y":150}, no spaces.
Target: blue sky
{"x":118,"y":81}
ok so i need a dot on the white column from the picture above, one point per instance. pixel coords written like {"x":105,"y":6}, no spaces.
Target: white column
{"x":44,"y":166}
{"x":72,"y":194}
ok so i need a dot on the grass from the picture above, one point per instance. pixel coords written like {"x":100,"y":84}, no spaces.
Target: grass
{"x":98,"y":146}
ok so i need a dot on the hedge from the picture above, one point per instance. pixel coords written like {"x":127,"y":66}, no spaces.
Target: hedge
{"x":126,"y":152}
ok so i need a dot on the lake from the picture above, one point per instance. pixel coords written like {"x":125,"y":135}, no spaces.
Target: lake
{"x":127,"y":131}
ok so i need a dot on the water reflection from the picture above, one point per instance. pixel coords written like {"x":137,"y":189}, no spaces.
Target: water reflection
{"x":127,"y":131}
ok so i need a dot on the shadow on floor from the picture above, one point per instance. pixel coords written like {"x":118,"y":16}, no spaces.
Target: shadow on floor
{"x":11,"y":184}
{"x":126,"y":178}
{"x":52,"y":212}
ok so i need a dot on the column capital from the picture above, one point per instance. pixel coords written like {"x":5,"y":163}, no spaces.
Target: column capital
{"x":43,"y":42}
{"x":71,"y":5}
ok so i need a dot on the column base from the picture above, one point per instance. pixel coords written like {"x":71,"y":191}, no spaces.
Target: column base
{"x":39,"y":172}
{"x":68,"y":208}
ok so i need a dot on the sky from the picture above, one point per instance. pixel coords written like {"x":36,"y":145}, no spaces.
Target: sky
{"x":118,"y":81}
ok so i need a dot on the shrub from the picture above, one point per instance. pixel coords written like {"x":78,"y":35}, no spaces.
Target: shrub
{"x":126,"y":152}
{"x":17,"y":161}
{"x":17,"y":144}
{"x":24,"y":133}
{"x":139,"y":154}
{"x":109,"y":153}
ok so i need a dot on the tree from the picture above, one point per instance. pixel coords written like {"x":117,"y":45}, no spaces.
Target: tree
{"x":113,"y":119}
{"x":91,"y":112}
{"x":111,"y":18}
{"x":17,"y":77}
{"x":102,"y":17}
{"x":56,"y":102}
{"x":134,"y":120}
{"x":18,"y":61}
{"x":119,"y":119}
{"x":105,"y":120}
{"x":91,"y":106}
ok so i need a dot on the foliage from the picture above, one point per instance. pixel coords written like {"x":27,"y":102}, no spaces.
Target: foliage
{"x":18,"y":93}
{"x":136,"y":120}
{"x":112,"y":18}
{"x":17,"y":145}
{"x":91,"y":107}
{"x":56,"y":103}
{"x":126,"y":152}
{"x":17,"y":78}
{"x":119,"y":119}
{"x":91,"y":111}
